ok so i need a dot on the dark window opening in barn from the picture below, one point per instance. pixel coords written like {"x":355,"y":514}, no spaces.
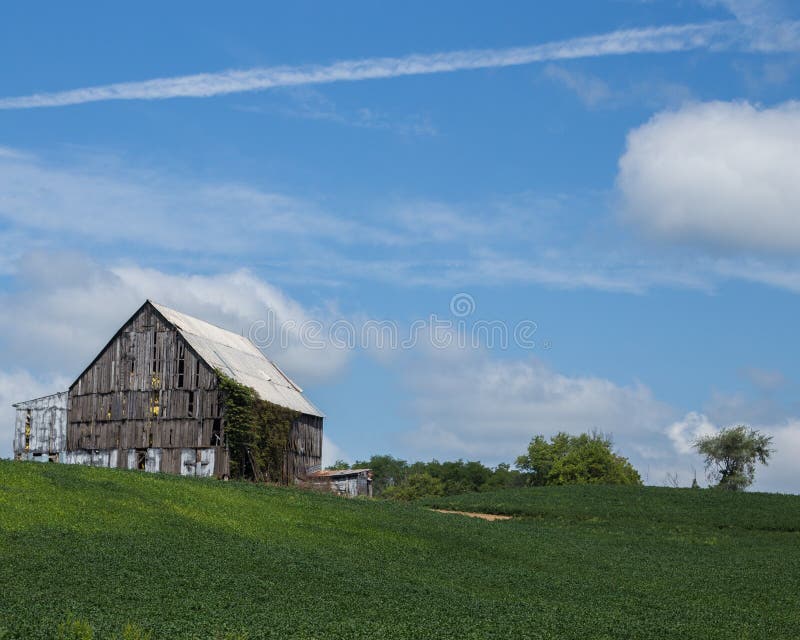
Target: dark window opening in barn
{"x":28,"y":430}
{"x":53,"y":457}
{"x":170,"y":436}
{"x":181,"y":363}
{"x":215,"y":432}
{"x":132,"y":374}
{"x":190,"y":405}
{"x":196,"y":382}
{"x":155,"y":352}
{"x":141,"y":459}
{"x":150,"y":439}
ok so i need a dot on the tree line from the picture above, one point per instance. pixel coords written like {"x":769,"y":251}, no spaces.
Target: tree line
{"x":730,"y":455}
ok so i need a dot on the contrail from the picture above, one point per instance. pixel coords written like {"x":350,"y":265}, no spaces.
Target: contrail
{"x":650,"y":40}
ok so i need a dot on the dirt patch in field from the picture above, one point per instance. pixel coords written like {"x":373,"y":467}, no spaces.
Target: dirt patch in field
{"x":491,"y":517}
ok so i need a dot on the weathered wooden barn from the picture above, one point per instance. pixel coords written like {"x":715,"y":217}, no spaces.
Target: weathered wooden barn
{"x":150,"y":400}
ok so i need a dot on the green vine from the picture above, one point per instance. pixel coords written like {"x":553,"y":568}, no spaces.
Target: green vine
{"x":256,"y":431}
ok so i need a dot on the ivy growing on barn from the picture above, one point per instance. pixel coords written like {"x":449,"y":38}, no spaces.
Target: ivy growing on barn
{"x":257,"y":432}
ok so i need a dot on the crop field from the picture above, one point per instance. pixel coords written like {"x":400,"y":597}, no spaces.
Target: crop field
{"x":185,"y":558}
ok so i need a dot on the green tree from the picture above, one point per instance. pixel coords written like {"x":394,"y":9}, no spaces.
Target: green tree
{"x":504,"y":477}
{"x":386,"y":471}
{"x":457,"y":476}
{"x":731,"y":455}
{"x":416,"y":485}
{"x":339,"y":465}
{"x":584,"y":459}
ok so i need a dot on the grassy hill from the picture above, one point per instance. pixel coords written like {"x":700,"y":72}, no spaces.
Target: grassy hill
{"x":186,"y":558}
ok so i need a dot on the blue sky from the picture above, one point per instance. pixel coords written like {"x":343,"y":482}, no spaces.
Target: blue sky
{"x":623,"y":174}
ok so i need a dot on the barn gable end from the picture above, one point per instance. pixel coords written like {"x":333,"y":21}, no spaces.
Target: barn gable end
{"x":150,"y":400}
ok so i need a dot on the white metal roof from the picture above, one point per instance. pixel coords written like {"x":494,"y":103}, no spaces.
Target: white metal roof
{"x":237,"y":357}
{"x":54,"y":398}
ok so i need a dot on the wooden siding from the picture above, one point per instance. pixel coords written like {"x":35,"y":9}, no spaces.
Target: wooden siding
{"x":146,"y":389}
{"x":304,"y":449}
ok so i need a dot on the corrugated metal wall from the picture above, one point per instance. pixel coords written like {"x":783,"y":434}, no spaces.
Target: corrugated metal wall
{"x":41,"y":427}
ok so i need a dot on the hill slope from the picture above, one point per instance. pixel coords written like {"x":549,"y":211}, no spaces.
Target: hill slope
{"x":201,"y":559}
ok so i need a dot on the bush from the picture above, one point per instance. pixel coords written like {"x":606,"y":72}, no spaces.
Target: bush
{"x":417,"y":485}
{"x":75,"y":629}
{"x":584,"y":459}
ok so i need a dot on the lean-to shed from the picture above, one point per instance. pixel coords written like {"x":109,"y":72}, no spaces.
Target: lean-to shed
{"x":40,"y":431}
{"x":343,"y":482}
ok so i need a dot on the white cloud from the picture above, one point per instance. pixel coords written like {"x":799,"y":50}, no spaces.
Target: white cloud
{"x":769,"y":28}
{"x":308,"y":103}
{"x":49,"y":206}
{"x":595,"y":92}
{"x":649,"y":40}
{"x":765,"y":379}
{"x":331,"y":452}
{"x":69,"y":307}
{"x":717,"y":173}
{"x":774,"y":275}
{"x":154,"y":209}
{"x":687,"y":430}
{"x":467,"y":403}
{"x":470,"y":405}
{"x":780,"y":474}
{"x":591,"y":90}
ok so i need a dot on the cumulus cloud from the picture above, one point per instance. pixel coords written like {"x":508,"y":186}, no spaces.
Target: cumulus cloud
{"x":69,"y":306}
{"x":471,"y":404}
{"x":721,"y":173}
{"x":781,"y":472}
{"x":468,"y":404}
{"x":331,"y":452}
{"x":687,"y":430}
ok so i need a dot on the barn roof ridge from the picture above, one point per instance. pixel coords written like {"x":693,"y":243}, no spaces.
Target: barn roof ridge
{"x":233,"y":354}
{"x":239,"y":358}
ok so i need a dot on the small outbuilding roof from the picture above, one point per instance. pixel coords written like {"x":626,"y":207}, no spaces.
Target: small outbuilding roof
{"x":237,"y":357}
{"x":58,"y":397}
{"x":337,"y":473}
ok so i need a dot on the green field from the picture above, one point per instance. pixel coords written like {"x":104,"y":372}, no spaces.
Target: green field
{"x":186,"y":558}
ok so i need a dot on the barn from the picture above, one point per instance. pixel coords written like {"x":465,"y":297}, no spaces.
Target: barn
{"x":151,"y":400}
